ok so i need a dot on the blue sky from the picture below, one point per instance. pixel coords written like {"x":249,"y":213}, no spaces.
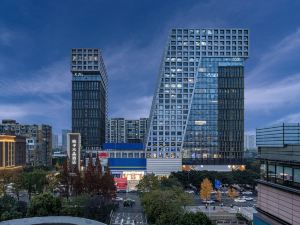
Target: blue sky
{"x":36,"y":38}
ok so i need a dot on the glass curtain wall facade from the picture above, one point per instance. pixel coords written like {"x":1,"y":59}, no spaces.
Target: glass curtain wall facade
{"x":198,"y":108}
{"x":89,"y":97}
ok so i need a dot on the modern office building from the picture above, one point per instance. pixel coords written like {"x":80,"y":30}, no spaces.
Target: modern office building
{"x":121,"y":130}
{"x":279,"y":186}
{"x":64,"y":133}
{"x":54,"y":141}
{"x":197,"y":113}
{"x":89,"y":97}
{"x":38,"y":140}
{"x":12,"y":151}
{"x":249,"y":141}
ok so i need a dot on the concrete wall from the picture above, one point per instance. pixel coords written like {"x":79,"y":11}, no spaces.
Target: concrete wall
{"x":279,"y":203}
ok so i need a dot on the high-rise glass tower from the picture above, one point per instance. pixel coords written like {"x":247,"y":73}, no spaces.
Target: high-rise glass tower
{"x":89,"y":97}
{"x":197,"y":114}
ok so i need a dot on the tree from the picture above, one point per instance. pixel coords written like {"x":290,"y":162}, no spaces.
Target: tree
{"x":44,"y":205}
{"x":65,"y":178}
{"x":98,"y":174}
{"x":34,"y":181}
{"x":77,"y":184}
{"x":5,"y":177}
{"x":219,"y":196}
{"x":170,"y":182}
{"x":206,"y":189}
{"x":11,"y":209}
{"x":17,"y":185}
{"x":148,"y":183}
{"x":52,"y":182}
{"x":74,"y":206}
{"x":232,"y":193}
{"x":108,"y":189}
{"x":89,"y":177}
{"x":164,"y":206}
{"x":198,"y":218}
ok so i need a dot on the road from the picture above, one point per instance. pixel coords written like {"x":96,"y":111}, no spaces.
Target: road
{"x":129,"y":215}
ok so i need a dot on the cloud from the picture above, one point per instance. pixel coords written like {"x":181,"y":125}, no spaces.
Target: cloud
{"x":280,"y":94}
{"x":53,"y":79}
{"x":278,"y":54}
{"x":44,"y":107}
{"x":272,"y":88}
{"x":290,"y":118}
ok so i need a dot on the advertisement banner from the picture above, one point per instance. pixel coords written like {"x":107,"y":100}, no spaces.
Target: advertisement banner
{"x":121,"y":184}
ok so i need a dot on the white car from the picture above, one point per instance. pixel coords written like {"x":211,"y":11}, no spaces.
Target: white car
{"x":118,"y":199}
{"x":190,"y":191}
{"x":208,"y":201}
{"x":240,"y":200}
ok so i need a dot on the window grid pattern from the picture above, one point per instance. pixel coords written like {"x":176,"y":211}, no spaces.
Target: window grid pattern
{"x":187,"y":57}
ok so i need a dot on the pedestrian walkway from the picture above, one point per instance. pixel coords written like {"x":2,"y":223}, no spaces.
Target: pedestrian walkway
{"x":125,"y":218}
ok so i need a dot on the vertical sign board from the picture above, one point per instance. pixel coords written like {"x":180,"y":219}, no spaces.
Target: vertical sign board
{"x":73,"y":146}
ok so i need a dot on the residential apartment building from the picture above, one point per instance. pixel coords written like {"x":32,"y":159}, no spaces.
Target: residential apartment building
{"x":279,"y":186}
{"x":39,"y":151}
{"x":197,"y":113}
{"x":89,"y":97}
{"x":121,"y":130}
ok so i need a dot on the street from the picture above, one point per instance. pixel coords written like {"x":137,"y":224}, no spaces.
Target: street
{"x":129,"y":215}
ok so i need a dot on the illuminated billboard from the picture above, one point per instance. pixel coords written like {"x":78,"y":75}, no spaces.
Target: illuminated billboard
{"x":73,"y":147}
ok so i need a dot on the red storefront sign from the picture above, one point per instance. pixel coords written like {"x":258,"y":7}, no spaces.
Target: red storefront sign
{"x":103,"y":155}
{"x":121,"y":183}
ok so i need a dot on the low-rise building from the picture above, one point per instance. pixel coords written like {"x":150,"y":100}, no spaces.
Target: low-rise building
{"x":127,"y":161}
{"x":279,"y":185}
{"x":12,"y":151}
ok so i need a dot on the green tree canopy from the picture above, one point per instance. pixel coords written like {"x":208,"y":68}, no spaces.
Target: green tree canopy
{"x":44,"y":205}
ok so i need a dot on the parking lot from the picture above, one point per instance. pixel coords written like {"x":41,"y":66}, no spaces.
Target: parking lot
{"x":226,"y":201}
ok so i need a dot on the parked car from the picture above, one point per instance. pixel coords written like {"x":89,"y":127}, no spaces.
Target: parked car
{"x":189,"y":191}
{"x":239,"y":200}
{"x":208,"y":201}
{"x":118,"y":199}
{"x":128,"y":202}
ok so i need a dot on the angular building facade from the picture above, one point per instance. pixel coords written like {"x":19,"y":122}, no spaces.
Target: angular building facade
{"x":197,"y":114}
{"x":89,"y":97}
{"x":121,"y":130}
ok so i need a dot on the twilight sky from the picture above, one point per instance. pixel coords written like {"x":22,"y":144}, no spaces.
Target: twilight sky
{"x":36,"y":38}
